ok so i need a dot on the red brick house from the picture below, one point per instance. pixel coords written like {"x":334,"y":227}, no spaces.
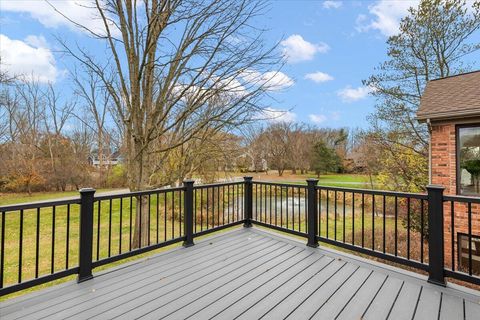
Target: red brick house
{"x":451,"y":108}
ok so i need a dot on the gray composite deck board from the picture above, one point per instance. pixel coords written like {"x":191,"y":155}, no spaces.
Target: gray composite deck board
{"x":248,"y":274}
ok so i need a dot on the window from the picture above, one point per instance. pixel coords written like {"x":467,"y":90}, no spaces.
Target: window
{"x":468,"y":160}
{"x":463,"y":253}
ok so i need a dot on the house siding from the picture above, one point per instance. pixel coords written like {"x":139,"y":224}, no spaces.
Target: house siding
{"x":444,"y":172}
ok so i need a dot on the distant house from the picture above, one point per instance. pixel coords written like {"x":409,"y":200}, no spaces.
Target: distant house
{"x":107,"y":158}
{"x":451,"y":108}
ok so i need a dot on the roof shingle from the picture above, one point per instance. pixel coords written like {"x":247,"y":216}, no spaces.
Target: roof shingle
{"x":451,"y":98}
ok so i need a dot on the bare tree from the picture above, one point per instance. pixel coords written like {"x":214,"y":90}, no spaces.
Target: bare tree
{"x":277,"y":141}
{"x":90,"y":88}
{"x":190,"y":64}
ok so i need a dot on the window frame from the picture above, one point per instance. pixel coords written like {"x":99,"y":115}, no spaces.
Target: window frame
{"x":459,"y":247}
{"x":457,"y":154}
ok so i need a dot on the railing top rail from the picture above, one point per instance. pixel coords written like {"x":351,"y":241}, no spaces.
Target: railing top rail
{"x":421,"y":196}
{"x":220,"y":184}
{"x":137,"y":193}
{"x":465,"y":199}
{"x":272,"y":183}
{"x":39,"y":204}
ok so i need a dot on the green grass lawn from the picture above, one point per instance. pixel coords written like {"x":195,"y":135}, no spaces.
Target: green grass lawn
{"x":14,"y":198}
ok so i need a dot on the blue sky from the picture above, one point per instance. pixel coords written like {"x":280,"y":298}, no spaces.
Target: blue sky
{"x":330,"y":46}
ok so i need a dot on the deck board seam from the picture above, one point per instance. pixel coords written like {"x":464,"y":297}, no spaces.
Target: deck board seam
{"x":318,"y":288}
{"x":335,"y":291}
{"x":374,"y":297}
{"x":246,"y":283}
{"x":395,"y":300}
{"x":153,"y":290}
{"x":264,"y":283}
{"x":416,"y":304}
{"x":293,"y":291}
{"x":273,"y":290}
{"x":354,"y":294}
{"x":246,"y":272}
{"x":204,"y":244}
{"x":151,"y":268}
{"x":282,"y":246}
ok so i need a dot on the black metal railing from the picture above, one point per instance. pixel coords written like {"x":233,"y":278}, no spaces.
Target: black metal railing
{"x":42,"y":242}
{"x":462,"y":253}
{"x":46,"y":241}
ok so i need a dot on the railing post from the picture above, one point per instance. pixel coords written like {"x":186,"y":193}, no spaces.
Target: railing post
{"x":435,"y":235}
{"x":86,"y":234}
{"x":188,"y":209}
{"x":248,"y":202}
{"x":312,"y":212}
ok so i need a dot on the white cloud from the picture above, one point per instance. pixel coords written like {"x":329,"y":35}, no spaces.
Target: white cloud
{"x":296,"y":49}
{"x":385,"y":16}
{"x":30,"y":58}
{"x":350,"y":94}
{"x":271,"y":80}
{"x":276,"y":115}
{"x":332,"y":4}
{"x":277,"y":80}
{"x":36,"y":41}
{"x":317,"y":118}
{"x":80,"y":12}
{"x":318,"y":77}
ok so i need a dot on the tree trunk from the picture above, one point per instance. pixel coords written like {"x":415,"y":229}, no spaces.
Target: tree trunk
{"x":138,"y":181}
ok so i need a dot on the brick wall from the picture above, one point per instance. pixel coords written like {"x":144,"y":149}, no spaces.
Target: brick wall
{"x":444,"y":157}
{"x":443,"y":166}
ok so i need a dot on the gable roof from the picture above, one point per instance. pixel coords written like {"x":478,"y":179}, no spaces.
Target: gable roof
{"x":451,"y":98}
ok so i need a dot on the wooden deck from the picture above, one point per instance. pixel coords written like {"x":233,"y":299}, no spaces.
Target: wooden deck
{"x":249,"y":274}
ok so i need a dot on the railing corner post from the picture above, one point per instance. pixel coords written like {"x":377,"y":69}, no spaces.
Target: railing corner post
{"x":248,"y":202}
{"x":312,"y":212}
{"x":188,"y":209}
{"x":436,"y":272}
{"x":86,"y":234}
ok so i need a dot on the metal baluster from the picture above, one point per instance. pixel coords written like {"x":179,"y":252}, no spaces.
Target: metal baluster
{"x":384,"y":222}
{"x":130,"y":222}
{"x":207,"y":207}
{"x":98,"y":229}
{"x":149,"y":217}
{"x":470,"y":238}
{"x":165,"y":203}
{"x":353,"y":218}
{"x":363,"y":220}
{"x":20,"y":248}
{"x":173,"y":215}
{"x":328,"y":210}
{"x":452,"y":230}
{"x":121,"y":226}
{"x":109,"y":227}
{"x":396,"y":226}
{"x":408,"y":228}
{"x":53,"y":241}
{"x":201,"y":209}
{"x":2,"y":251}
{"x":373,"y":222}
{"x":67,"y":237}
{"x":37,"y":242}
{"x":157,"y":213}
{"x":335,"y":211}
{"x":343,"y":216}
{"x":421,"y":230}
